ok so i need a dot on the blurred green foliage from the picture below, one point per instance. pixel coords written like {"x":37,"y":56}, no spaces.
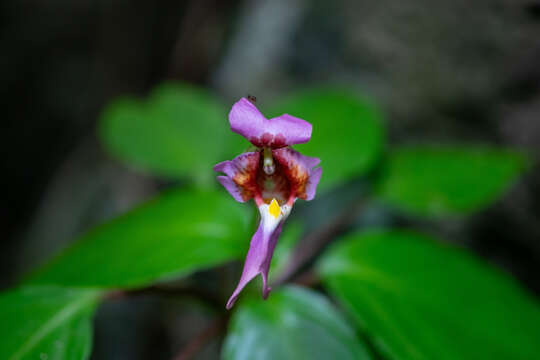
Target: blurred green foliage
{"x":179,"y":232}
{"x":444,"y":180}
{"x":294,"y":323}
{"x":282,"y":253}
{"x":409,"y":296}
{"x":50,"y":323}
{"x":424,"y":300}
{"x":347,"y":131}
{"x":177,"y":132}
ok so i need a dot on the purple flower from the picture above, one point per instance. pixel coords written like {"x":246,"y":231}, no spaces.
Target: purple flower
{"x":274,"y":176}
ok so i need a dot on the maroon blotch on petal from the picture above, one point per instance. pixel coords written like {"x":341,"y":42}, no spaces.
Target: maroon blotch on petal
{"x":300,"y":170}
{"x":241,"y":177}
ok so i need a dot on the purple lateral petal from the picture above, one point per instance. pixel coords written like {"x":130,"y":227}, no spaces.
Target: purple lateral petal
{"x":244,"y":162}
{"x":231,"y":187}
{"x":261,"y":249}
{"x":313,"y":181}
{"x":284,"y":130}
{"x":226,"y":167}
{"x":301,"y":171}
{"x":241,"y":173}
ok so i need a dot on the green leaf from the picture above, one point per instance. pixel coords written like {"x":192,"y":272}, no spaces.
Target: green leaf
{"x":178,"y":131}
{"x":179,"y":232}
{"x":347,"y":132}
{"x":436,"y":181}
{"x":422,"y":300}
{"x":294,"y":323}
{"x":46,"y":323}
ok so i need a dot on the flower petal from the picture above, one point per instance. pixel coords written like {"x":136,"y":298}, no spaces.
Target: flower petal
{"x":232,"y":188}
{"x":246,"y":119}
{"x":313,"y":181}
{"x":299,"y":170}
{"x":261,"y":249}
{"x":241,"y":173}
{"x":257,"y":261}
{"x":295,"y":130}
{"x":284,"y":130}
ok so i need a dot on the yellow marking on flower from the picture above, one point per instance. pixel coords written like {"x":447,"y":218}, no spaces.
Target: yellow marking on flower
{"x":274,"y":209}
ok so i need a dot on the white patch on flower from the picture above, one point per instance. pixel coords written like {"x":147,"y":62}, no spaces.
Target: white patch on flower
{"x":272,"y":215}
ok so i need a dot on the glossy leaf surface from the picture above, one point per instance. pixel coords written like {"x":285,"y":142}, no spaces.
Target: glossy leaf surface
{"x":419,"y":299}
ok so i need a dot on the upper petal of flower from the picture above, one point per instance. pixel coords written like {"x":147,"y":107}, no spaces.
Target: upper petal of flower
{"x":300,"y":170}
{"x":241,"y":173}
{"x":284,"y":130}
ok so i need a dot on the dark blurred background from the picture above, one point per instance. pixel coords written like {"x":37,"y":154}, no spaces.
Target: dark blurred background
{"x":442,"y":71}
